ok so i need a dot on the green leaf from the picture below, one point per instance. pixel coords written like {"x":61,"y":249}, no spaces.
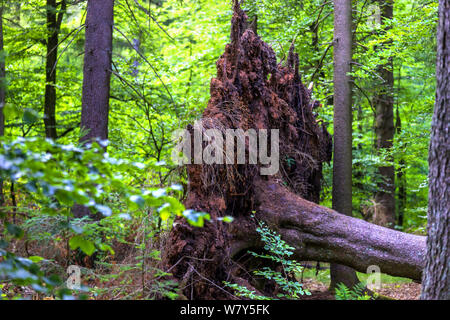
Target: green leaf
{"x":85,"y":245}
{"x":105,"y":247}
{"x":36,"y":259}
{"x":30,"y":116}
{"x":227,"y":219}
{"x":164,"y":211}
{"x":76,"y":229}
{"x":11,"y":111}
{"x":106,"y":211}
{"x":138,"y":200}
{"x":197,"y":219}
{"x":14,"y":230}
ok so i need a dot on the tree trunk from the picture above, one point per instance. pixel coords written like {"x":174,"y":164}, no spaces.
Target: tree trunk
{"x":54,"y":21}
{"x":384,"y":211}
{"x":401,"y":178}
{"x":342,"y":121}
{"x":96,"y":76}
{"x":2,"y":90}
{"x":436,"y":277}
{"x":97,"y":69}
{"x":253,"y":91}
{"x":322,"y":234}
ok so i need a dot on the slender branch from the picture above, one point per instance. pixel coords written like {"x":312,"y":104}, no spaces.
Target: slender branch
{"x":151,"y":66}
{"x":151,"y":16}
{"x":320,"y":64}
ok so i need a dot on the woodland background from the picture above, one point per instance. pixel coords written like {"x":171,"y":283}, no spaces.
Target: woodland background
{"x":163,"y":58}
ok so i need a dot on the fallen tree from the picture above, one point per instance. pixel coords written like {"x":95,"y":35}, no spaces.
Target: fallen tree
{"x":322,"y":234}
{"x":252,"y":91}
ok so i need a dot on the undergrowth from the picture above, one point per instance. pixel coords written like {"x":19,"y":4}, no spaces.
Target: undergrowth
{"x":278,"y":251}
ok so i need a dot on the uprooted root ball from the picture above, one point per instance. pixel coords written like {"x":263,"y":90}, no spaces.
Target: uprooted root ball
{"x":251,"y":91}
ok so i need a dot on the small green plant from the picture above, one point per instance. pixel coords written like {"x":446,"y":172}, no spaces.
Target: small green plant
{"x":244,"y":292}
{"x":358,"y":292}
{"x":279,"y":252}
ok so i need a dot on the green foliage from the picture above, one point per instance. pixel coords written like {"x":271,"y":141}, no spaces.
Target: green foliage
{"x":279,"y":252}
{"x":140,"y":278}
{"x":244,"y":292}
{"x":55,"y":177}
{"x":58,"y":176}
{"x":358,"y":292}
{"x":27,"y":272}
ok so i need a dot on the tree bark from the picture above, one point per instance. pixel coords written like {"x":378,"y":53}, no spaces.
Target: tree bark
{"x":96,"y":77}
{"x":384,"y":211}
{"x":97,"y":69}
{"x":401,"y":178}
{"x":322,"y":234}
{"x":342,"y":121}
{"x":54,"y":21}
{"x":2,"y":90}
{"x":436,"y":277}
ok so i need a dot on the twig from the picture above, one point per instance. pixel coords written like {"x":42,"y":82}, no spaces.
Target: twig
{"x":206,"y":279}
{"x":319,"y":66}
{"x":154,"y":20}
{"x":151,"y":66}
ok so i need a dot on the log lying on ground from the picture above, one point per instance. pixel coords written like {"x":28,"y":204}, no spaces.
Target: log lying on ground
{"x":321,"y":234}
{"x":253,"y":91}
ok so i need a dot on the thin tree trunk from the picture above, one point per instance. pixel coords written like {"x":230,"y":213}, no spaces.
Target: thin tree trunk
{"x":358,"y":169}
{"x":2,"y":91}
{"x":54,"y":21}
{"x":436,"y":277}
{"x":342,"y":155}
{"x":401,"y":179}
{"x":96,"y":76}
{"x":384,"y":213}
{"x":136,"y":62}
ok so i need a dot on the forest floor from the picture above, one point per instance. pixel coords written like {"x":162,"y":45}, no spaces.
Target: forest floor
{"x":121,"y":278}
{"x":391,"y":287}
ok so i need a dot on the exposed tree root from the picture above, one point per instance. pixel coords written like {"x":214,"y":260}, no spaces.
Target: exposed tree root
{"x":252,"y":91}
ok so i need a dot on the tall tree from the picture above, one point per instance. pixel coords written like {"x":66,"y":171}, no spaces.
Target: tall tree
{"x":54,"y":21}
{"x":436,"y":276}
{"x":96,"y":75}
{"x":342,"y":147}
{"x":2,"y":89}
{"x":97,"y":69}
{"x":384,"y":213}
